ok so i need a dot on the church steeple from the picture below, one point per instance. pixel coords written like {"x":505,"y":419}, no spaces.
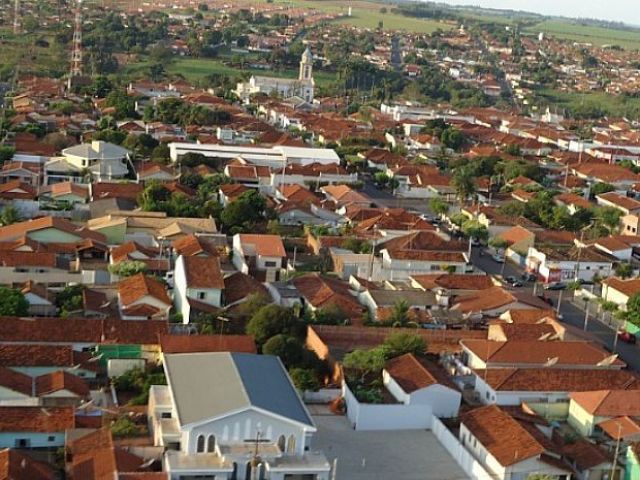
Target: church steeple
{"x":306,"y":66}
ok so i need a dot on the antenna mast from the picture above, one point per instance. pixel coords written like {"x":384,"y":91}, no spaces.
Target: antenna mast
{"x":76,"y":55}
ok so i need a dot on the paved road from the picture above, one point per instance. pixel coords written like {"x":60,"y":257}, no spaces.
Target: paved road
{"x":572,"y":316}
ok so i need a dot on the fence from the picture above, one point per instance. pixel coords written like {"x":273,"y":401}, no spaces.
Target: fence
{"x":459,"y":453}
{"x":364,"y":416}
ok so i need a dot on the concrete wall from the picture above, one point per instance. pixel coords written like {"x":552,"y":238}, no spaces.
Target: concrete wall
{"x":36,"y":440}
{"x":462,"y":457}
{"x":385,"y":417}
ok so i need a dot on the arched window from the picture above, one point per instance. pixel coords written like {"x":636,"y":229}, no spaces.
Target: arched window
{"x":211,"y":443}
{"x":291,"y":445}
{"x":282,"y":441}
{"x":261,"y":471}
{"x":200,"y":444}
{"x":247,"y":475}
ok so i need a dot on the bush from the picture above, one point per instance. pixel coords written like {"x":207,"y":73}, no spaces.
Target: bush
{"x":272,"y":320}
{"x":124,"y":427}
{"x":289,"y":349}
{"x":305,"y":379}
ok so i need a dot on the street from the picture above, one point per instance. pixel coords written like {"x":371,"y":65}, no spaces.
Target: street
{"x":572,"y":316}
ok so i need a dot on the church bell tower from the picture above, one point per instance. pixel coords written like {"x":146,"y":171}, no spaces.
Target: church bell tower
{"x":306,"y":66}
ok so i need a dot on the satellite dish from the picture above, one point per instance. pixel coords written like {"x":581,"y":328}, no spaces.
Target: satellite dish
{"x":551,"y":362}
{"x":608,"y":361}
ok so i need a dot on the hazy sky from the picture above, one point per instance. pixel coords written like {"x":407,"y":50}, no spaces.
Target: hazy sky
{"x":620,"y":10}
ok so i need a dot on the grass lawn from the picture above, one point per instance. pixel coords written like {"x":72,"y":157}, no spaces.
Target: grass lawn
{"x":628,"y":39}
{"x":195,"y":69}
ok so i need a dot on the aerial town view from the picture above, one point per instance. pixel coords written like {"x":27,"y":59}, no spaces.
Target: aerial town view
{"x":319,"y":240}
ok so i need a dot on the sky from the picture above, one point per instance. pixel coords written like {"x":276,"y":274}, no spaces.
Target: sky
{"x":619,"y":10}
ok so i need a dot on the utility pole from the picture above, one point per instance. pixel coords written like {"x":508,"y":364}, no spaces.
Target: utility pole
{"x":16,"y":17}
{"x":76,"y":53}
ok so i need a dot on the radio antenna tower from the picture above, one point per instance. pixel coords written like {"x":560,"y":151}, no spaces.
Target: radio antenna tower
{"x":76,"y":55}
{"x":16,"y":17}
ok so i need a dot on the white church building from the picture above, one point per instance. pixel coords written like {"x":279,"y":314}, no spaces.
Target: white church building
{"x":301,"y":87}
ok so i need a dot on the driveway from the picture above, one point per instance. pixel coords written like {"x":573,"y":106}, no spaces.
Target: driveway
{"x":398,"y":455}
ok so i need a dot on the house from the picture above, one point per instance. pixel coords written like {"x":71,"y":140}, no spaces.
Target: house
{"x":229,"y":192}
{"x":343,"y":195}
{"x":61,"y":388}
{"x":262,"y":256}
{"x":15,"y":465}
{"x":628,"y":206}
{"x":319,"y":292}
{"x":40,"y":359}
{"x":404,"y":263}
{"x":563,"y":263}
{"x":25,"y":172}
{"x":41,"y":302}
{"x":619,"y":246}
{"x":589,"y":409}
{"x":414,"y":381}
{"x":49,"y":230}
{"x":66,"y":193}
{"x":512,"y":386}
{"x":219,"y":407}
{"x":193,"y":245}
{"x":199,"y":285}
{"x":15,"y":191}
{"x":380,"y":302}
{"x":104,"y":162}
{"x":493,"y":301}
{"x":619,"y":291}
{"x":91,"y":455}
{"x":508,"y":449}
{"x":141,"y":297}
{"x":154,"y":171}
{"x":455,"y":284}
{"x":34,"y":427}
{"x":481,"y":354}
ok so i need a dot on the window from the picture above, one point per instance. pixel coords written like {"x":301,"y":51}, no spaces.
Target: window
{"x":23,"y":443}
{"x":165,"y":415}
{"x":487,"y":395}
{"x":51,"y":438}
{"x":291,"y":444}
{"x":282,"y":441}
{"x":202,"y":295}
{"x":200,"y":444}
{"x":211,"y":443}
{"x":270,"y":264}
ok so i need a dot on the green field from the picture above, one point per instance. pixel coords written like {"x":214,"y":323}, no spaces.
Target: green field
{"x":367,"y":15}
{"x":195,"y":69}
{"x":628,"y":39}
{"x":584,"y":102}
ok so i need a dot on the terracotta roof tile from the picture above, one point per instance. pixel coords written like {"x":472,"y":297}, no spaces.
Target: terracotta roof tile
{"x":609,"y":403}
{"x":264,"y":245}
{"x":539,"y":353}
{"x":414,"y":374}
{"x":138,"y":286}
{"x":207,"y":343}
{"x":61,"y":380}
{"x":15,"y":465}
{"x":36,"y":419}
{"x":16,"y":381}
{"x":505,"y":439}
{"x":454,"y":281}
{"x":239,"y":285}
{"x":203,"y":272}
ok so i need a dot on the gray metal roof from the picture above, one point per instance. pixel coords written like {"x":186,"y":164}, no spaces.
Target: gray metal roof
{"x":212,"y":385}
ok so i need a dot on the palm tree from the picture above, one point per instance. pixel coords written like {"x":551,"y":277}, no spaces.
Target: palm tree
{"x":464,"y":185}
{"x":400,"y":313}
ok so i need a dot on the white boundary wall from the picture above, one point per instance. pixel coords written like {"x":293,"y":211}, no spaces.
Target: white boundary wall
{"x":461,"y":455}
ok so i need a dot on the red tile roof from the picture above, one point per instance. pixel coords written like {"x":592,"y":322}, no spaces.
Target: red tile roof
{"x":207,"y":343}
{"x":16,"y":381}
{"x":505,"y":439}
{"x":15,"y":465}
{"x":56,"y":381}
{"x":203,"y":272}
{"x":36,"y":419}
{"x":138,"y":286}
{"x":264,"y":245}
{"x":609,"y":403}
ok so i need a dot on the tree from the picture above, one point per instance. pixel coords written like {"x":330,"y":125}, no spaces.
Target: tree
{"x":399,"y":313}
{"x":70,"y":300}
{"x":499,"y":244}
{"x":13,"y":303}
{"x":124,"y":427}
{"x":365,"y":362}
{"x":381,"y":179}
{"x":624,"y":270}
{"x":600,"y":188}
{"x":632,"y":313}
{"x":272,"y":320}
{"x":400,"y":343}
{"x":608,"y":218}
{"x":9,"y":215}
{"x":474,"y":229}
{"x":244,"y":212}
{"x":127,"y":268}
{"x":289,"y":349}
{"x":438,"y":206}
{"x":464,"y":184}
{"x":305,"y":379}
{"x":6,"y":153}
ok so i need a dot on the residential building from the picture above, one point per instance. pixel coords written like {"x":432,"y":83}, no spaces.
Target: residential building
{"x":102,"y":161}
{"x":199,"y":286}
{"x":262,"y":256}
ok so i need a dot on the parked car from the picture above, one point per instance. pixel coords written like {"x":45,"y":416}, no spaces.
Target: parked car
{"x":516,"y":284}
{"x":626,"y":337}
{"x":498,"y":258}
{"x":528,"y":277}
{"x":510,"y":279}
{"x":555,"y":286}
{"x":546,"y":299}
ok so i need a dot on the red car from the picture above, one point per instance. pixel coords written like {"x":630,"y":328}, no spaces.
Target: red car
{"x":626,"y":337}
